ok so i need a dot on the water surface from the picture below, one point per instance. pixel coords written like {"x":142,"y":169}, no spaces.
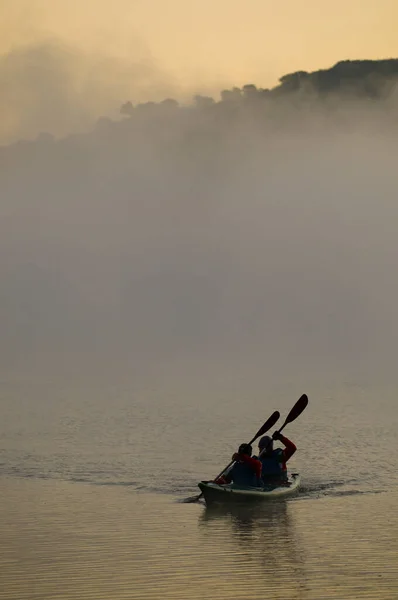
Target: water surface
{"x":94,"y":480}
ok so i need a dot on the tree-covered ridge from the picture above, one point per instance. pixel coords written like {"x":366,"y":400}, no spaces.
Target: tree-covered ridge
{"x":295,"y":103}
{"x":372,"y":78}
{"x":356,"y":78}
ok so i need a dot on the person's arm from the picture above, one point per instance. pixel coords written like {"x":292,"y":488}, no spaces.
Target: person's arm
{"x":223,"y":480}
{"x":226,"y":477}
{"x":290,"y":448}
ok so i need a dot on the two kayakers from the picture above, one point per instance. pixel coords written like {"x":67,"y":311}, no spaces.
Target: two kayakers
{"x":245,"y":471}
{"x":270,"y":465}
{"x":273,"y":462}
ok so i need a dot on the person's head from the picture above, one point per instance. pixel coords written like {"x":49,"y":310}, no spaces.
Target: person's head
{"x":266,"y":444}
{"x":245,"y":449}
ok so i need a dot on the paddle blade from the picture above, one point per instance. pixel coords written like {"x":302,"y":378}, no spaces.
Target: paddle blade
{"x":297,"y":409}
{"x":267,"y":425}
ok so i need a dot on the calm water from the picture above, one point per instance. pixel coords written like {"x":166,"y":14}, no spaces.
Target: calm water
{"x":94,"y":479}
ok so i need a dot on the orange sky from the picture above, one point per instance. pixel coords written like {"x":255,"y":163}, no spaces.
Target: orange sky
{"x":202,"y":41}
{"x":65,"y":63}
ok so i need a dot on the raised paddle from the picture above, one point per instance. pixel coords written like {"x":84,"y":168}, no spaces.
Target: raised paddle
{"x":267,"y":425}
{"x":295,"y":412}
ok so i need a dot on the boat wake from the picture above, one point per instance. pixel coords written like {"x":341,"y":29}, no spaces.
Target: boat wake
{"x":337,"y":488}
{"x":186,"y":491}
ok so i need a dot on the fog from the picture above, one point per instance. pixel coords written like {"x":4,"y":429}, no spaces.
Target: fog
{"x":50,"y":85}
{"x":220,"y":243}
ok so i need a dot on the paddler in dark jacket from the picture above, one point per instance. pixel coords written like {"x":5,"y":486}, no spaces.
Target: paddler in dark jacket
{"x":246,"y":471}
{"x":273,"y":462}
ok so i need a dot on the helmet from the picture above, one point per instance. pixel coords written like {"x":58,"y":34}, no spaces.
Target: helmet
{"x":265,"y":441}
{"x":245,"y":449}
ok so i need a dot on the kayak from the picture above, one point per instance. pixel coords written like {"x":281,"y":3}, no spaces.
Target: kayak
{"x":216,"y":493}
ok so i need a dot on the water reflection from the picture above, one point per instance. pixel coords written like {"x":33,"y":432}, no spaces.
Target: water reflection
{"x":264,"y":535}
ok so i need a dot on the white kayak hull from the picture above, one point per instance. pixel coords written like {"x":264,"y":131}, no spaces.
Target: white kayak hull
{"x":221,"y":494}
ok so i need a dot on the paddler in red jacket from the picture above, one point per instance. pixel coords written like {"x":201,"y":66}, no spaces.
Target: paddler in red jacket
{"x":273,"y":462}
{"x":246,"y":471}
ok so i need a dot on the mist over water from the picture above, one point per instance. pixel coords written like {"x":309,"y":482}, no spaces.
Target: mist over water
{"x":236,"y":242}
{"x":167,"y":281}
{"x":173,"y":272}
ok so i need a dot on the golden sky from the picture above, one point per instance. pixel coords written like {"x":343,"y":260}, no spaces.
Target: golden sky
{"x":206,"y":40}
{"x":65,"y":63}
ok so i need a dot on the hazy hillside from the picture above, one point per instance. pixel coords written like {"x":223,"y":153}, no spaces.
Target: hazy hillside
{"x":251,"y":235}
{"x":364,"y":81}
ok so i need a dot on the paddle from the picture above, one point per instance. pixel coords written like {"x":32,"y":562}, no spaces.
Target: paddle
{"x":267,"y":425}
{"x":295,"y":412}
